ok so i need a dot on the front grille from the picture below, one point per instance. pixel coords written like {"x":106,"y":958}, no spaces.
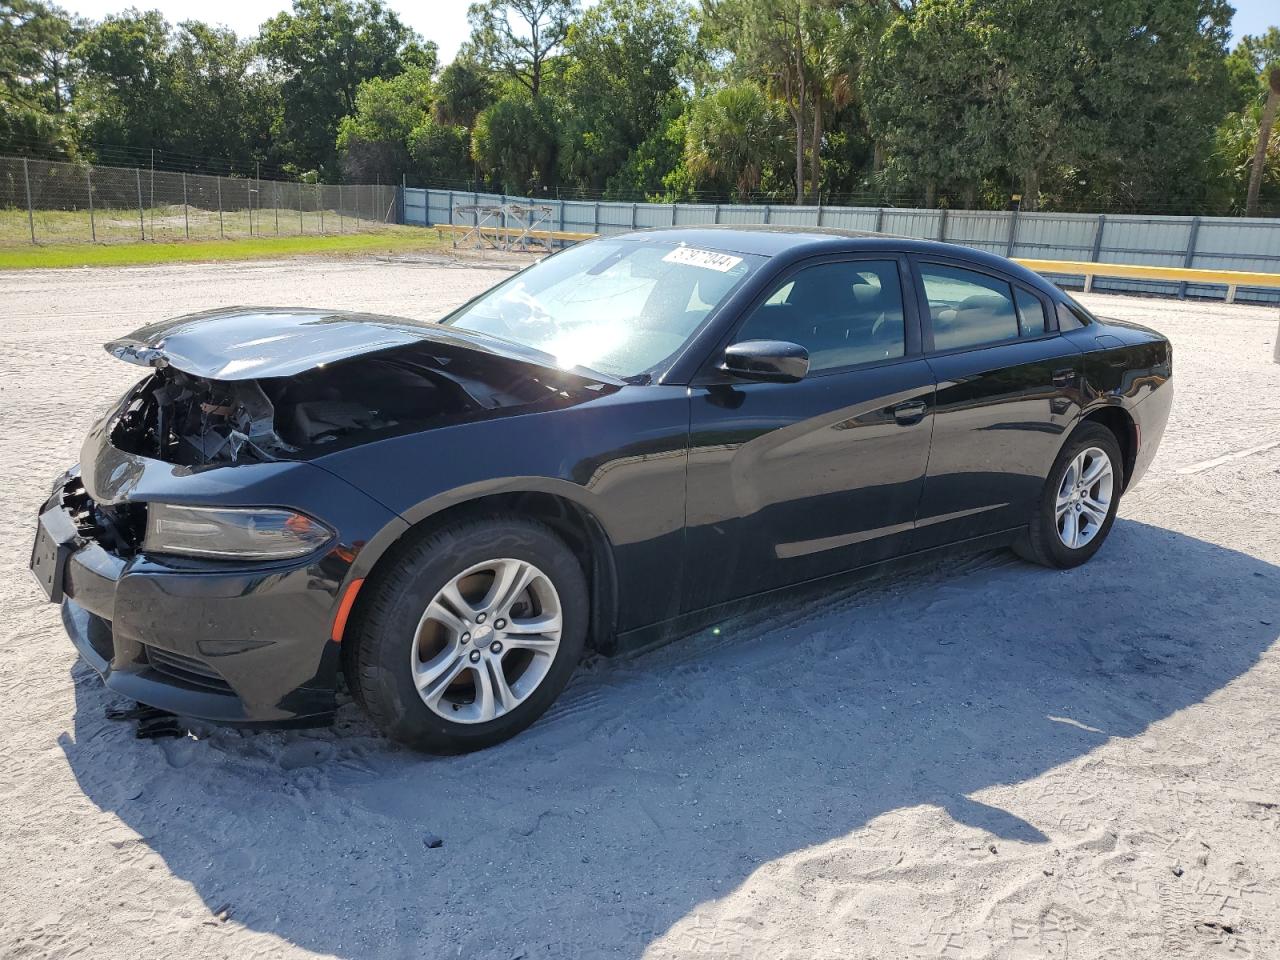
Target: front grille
{"x":186,"y":669}
{"x":117,"y":528}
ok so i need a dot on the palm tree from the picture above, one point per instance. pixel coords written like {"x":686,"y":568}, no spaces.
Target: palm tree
{"x":732,"y":133}
{"x":1264,"y":141}
{"x":831,"y":89}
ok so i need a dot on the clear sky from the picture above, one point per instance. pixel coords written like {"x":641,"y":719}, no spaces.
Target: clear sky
{"x":445,"y":21}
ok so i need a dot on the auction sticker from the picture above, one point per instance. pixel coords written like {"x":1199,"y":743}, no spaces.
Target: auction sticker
{"x":707,"y":259}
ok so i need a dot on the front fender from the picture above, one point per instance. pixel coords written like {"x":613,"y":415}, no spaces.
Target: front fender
{"x":620,"y":458}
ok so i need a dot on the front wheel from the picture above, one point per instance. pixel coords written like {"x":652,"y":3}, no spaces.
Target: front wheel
{"x":471,"y":636}
{"x":1078,"y":506}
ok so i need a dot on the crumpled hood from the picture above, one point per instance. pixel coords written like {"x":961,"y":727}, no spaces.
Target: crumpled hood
{"x":247,"y":343}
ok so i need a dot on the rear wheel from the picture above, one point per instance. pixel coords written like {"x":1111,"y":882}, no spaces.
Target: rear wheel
{"x":472,"y":635}
{"x":1078,"y":506}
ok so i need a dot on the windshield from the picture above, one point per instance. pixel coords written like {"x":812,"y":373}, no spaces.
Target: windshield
{"x":621,"y":307}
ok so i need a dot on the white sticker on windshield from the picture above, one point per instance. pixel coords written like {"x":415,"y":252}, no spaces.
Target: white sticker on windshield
{"x":707,"y":259}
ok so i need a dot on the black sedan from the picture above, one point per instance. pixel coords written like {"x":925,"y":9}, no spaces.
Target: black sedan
{"x":613,"y":446}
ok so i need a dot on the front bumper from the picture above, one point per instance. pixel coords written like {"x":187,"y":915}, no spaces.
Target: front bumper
{"x":228,"y":643}
{"x":233,"y":647}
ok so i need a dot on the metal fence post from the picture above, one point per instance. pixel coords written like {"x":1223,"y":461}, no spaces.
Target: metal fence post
{"x":340,"y":214}
{"x":320,"y":205}
{"x":302,"y":228}
{"x":1191,"y":254}
{"x":879,"y":219}
{"x":768,"y":212}
{"x":819,"y":214}
{"x":186,"y":220}
{"x":942,"y":225}
{"x":1096,"y":253}
{"x":93,"y":226}
{"x":673,"y":214}
{"x":142,"y":223}
{"x":562,"y":216}
{"x":222,"y":234}
{"x":715,"y":216}
{"x":1013,"y":233}
{"x":595,"y":224}
{"x":31,"y":218}
{"x":634,"y":209}
{"x":275,"y":204}
{"x":248,"y":192}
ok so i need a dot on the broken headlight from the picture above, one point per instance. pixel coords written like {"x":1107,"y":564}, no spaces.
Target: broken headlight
{"x":232,"y":533}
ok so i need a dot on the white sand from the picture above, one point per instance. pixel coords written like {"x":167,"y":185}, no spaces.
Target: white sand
{"x":979,"y":758}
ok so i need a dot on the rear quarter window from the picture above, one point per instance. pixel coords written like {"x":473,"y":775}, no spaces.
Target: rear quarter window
{"x":1070,"y":318}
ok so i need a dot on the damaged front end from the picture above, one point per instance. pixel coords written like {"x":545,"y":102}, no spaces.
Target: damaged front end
{"x":366,"y":378}
{"x":181,"y":419}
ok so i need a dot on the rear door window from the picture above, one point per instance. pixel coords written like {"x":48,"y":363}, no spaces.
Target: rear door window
{"x":967,"y":308}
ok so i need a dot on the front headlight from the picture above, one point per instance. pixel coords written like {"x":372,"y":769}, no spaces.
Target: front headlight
{"x":232,"y":533}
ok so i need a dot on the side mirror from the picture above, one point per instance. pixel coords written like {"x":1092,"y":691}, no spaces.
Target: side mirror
{"x":769,"y":361}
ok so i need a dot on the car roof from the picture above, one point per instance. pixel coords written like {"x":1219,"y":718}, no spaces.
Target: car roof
{"x":797,"y":243}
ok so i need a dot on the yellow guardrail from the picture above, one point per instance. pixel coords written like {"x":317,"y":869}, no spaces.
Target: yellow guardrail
{"x":1231,"y":279}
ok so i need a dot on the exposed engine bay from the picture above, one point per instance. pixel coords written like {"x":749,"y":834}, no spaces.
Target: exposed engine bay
{"x":192,"y":421}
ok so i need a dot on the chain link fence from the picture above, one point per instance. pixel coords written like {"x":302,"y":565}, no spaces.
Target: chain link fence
{"x":54,"y":202}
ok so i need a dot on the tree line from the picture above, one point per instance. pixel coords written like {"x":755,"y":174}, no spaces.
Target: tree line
{"x":1061,"y":104}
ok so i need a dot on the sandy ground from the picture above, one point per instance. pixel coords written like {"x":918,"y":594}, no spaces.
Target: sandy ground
{"x":977,"y":758}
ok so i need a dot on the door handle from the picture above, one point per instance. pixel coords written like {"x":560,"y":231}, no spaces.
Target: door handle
{"x":909,"y":412}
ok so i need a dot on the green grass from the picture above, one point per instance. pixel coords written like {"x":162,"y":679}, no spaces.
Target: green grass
{"x":389,"y":240}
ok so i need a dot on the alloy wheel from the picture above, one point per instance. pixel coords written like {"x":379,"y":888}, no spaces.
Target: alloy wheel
{"x":486,"y":641}
{"x":1084,"y":497}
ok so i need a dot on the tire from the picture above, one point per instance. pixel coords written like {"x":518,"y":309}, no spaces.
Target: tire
{"x":1044,"y":541}
{"x":410,"y":625}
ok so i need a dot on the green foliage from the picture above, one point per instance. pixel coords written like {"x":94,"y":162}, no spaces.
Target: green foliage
{"x":518,"y":37}
{"x":192,"y":90}
{"x":732,"y":138}
{"x":463,"y":89}
{"x":440,"y":151}
{"x":321,"y":52}
{"x":1247,"y":67}
{"x":514,"y":144}
{"x":221,"y":104}
{"x":623,"y":83}
{"x":127,"y":79}
{"x":35,"y":44}
{"x":373,"y":141}
{"x":962,"y":91}
{"x":655,"y":169}
{"x":930,"y":95}
{"x":1236,"y":143}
